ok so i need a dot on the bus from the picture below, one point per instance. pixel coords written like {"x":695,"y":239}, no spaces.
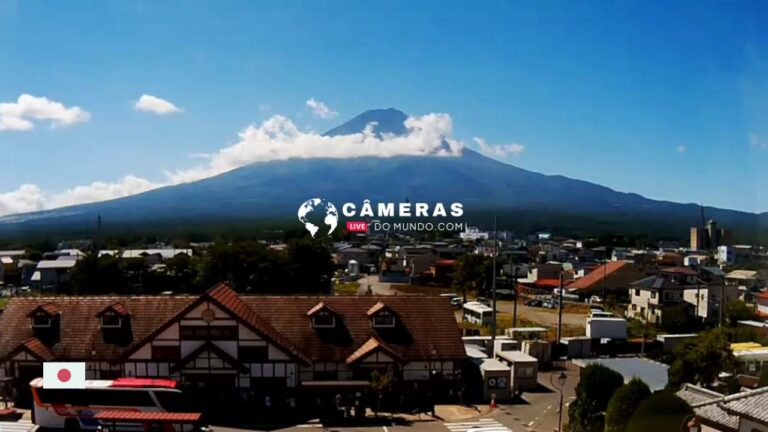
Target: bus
{"x":478,"y":313}
{"x":75,"y":409}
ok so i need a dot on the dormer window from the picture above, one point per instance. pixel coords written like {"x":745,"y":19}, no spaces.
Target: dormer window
{"x":382,"y":316}
{"x":111,"y":320}
{"x":113,"y":316}
{"x":323,"y":319}
{"x":384,"y":319}
{"x":42,"y":316}
{"x":323,"y":316}
{"x":41,"y":320}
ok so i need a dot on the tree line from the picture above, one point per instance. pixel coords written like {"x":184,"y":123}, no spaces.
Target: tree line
{"x":303,"y":266}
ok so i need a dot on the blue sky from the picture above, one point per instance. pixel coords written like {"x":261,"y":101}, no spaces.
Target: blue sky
{"x":666,"y":99}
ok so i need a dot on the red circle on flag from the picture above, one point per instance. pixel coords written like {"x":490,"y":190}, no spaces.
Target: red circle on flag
{"x":64,"y":375}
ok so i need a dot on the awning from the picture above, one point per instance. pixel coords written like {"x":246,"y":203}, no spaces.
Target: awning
{"x":139,"y":417}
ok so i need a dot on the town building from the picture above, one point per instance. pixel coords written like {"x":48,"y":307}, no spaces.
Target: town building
{"x":745,"y":411}
{"x":610,"y":278}
{"x":710,"y":236}
{"x":650,"y":296}
{"x":49,"y":275}
{"x":227,"y":345}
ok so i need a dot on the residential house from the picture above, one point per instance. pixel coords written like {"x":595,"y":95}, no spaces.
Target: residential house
{"x":650,"y":296}
{"x":611,"y":278}
{"x":227,"y":346}
{"x":473,"y":234}
{"x":362,"y":256}
{"x":50,"y":274}
{"x":745,"y":411}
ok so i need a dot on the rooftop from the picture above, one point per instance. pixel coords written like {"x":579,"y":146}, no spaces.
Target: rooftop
{"x":654,"y":374}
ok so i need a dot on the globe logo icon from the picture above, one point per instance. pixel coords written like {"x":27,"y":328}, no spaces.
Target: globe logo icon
{"x":318,"y":214}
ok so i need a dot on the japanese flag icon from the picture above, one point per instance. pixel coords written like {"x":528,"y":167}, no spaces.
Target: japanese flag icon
{"x":64,"y":375}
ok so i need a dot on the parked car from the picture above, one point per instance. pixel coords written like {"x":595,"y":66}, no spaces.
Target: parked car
{"x":484,"y":301}
{"x":595,"y":300}
{"x":457,"y":301}
{"x":533,"y":303}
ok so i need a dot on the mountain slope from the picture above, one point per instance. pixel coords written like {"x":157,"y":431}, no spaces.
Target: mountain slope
{"x":275,"y":189}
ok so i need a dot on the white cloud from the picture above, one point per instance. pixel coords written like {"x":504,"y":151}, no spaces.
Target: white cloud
{"x":501,"y":151}
{"x":153,"y":104}
{"x":20,"y":115}
{"x":758,"y":142}
{"x":681,"y":149}
{"x":275,"y":139}
{"x":29,"y":197}
{"x":278,"y":139}
{"x":320,"y":109}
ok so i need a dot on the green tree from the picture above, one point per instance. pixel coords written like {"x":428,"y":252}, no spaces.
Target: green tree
{"x":663,"y":411}
{"x":469,"y":273}
{"x":736,"y":311}
{"x":624,"y":403}
{"x":595,"y":389}
{"x":701,"y":359}
{"x":763,"y":378}
{"x":679,"y":319}
{"x":98,"y":275}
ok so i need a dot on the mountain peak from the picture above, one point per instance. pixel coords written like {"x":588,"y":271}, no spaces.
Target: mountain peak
{"x":388,"y":120}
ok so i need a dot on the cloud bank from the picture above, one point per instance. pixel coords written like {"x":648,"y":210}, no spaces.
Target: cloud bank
{"x":23,"y":114}
{"x":320,"y":109}
{"x":500,"y":151}
{"x":155,"y":105}
{"x":277,"y":138}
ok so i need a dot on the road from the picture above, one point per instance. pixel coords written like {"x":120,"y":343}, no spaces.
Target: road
{"x":535,"y":412}
{"x":544,"y":317}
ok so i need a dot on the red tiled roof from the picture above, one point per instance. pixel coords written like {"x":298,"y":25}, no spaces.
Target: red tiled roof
{"x":79,"y":330}
{"x":136,"y":416}
{"x":551,"y":283}
{"x":49,"y":308}
{"x":680,"y":270}
{"x":762,"y":295}
{"x":597,"y":275}
{"x":426,"y":327}
{"x":37,"y":349}
{"x":228,"y":298}
{"x":445,"y":262}
{"x":119,"y":308}
{"x":369,"y":347}
{"x":422,"y":323}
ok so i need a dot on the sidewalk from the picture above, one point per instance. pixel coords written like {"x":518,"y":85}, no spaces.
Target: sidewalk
{"x":447,"y":413}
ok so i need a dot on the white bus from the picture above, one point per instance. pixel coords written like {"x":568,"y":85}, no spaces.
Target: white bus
{"x":74,"y":409}
{"x":478,"y":313}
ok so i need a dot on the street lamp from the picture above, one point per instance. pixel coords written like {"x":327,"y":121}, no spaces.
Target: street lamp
{"x":561,"y":378}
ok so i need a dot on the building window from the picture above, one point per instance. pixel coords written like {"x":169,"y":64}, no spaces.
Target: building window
{"x":166,"y":352}
{"x":41,"y":320}
{"x":208,"y":332}
{"x":326,"y":375}
{"x":111,"y":320}
{"x":323,"y":319}
{"x":653,"y":294}
{"x":383,"y":319}
{"x":253,"y":354}
{"x":637,"y":292}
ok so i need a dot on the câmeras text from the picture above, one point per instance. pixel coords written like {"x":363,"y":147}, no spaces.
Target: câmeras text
{"x":403,"y":209}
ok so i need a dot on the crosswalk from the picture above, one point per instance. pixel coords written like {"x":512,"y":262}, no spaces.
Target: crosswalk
{"x":480,"y":425}
{"x":19,"y":426}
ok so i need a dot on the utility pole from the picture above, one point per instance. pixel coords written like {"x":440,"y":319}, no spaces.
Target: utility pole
{"x":493,"y":289}
{"x":698,"y":298}
{"x":514,"y":305}
{"x":722,"y":302}
{"x":560,"y":312}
